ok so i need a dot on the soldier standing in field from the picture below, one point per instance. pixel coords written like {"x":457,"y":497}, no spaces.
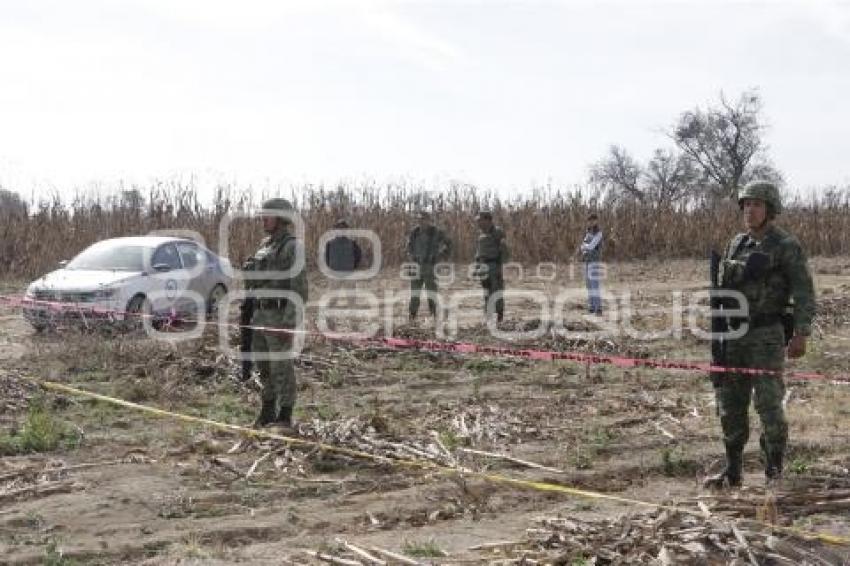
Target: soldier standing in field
{"x":768,"y":266}
{"x":278,"y":252}
{"x":491,"y":253}
{"x":427,"y":245}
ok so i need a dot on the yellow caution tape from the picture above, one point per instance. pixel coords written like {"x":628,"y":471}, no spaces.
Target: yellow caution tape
{"x":422,"y":464}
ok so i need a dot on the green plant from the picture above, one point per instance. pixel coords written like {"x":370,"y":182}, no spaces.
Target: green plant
{"x":675,"y":462}
{"x":449,"y":439}
{"x":54,"y":556}
{"x":599,"y":437}
{"x":334,"y":377}
{"x":423,"y":549}
{"x":800,"y":464}
{"x":585,"y":506}
{"x":227,"y":408}
{"x":41,"y":432}
{"x":482,"y":365}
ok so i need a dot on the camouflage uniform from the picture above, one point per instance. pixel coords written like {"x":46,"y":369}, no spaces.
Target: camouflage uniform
{"x":491,"y":252}
{"x":426,"y":246}
{"x":782,"y":279}
{"x":277,"y":253}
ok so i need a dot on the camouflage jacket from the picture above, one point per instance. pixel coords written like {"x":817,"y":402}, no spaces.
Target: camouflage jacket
{"x":428,"y":245}
{"x":784,"y":279}
{"x":277,"y":253}
{"x":491,"y":246}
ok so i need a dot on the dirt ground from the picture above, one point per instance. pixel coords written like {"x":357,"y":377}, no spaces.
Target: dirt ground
{"x":122,"y":487}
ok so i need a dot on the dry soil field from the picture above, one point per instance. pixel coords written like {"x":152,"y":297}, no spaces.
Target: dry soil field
{"x":86,"y":482}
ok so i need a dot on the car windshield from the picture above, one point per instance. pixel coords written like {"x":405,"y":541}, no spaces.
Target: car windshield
{"x":110,"y":258}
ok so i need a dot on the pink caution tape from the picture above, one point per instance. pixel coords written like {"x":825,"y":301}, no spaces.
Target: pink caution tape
{"x":463,"y":347}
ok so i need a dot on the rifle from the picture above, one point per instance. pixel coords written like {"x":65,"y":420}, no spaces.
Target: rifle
{"x":246,"y":333}
{"x":719,"y":324}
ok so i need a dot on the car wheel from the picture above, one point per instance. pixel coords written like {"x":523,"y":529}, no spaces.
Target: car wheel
{"x":215,"y":298}
{"x":137,"y":309}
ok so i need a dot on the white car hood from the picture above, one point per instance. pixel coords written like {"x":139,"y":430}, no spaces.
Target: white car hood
{"x":82,"y":280}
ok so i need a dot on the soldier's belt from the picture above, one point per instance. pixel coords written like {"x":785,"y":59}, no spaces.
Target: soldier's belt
{"x":271,"y":304}
{"x":756,"y":321}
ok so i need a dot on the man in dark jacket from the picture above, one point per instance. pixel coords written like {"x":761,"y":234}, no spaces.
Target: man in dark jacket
{"x":343,"y":256}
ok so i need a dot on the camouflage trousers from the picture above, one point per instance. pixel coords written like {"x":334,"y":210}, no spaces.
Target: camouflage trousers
{"x":493,"y":282}
{"x":426,"y":279}
{"x":276,"y":375}
{"x":763,"y":348}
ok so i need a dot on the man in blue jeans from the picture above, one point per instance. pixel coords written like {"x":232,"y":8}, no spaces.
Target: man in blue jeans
{"x":591,"y":255}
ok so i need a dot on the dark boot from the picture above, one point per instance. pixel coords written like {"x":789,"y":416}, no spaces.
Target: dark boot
{"x":773,"y":467}
{"x":267,"y":414}
{"x":731,"y":474}
{"x":284,"y":417}
{"x":432,"y":308}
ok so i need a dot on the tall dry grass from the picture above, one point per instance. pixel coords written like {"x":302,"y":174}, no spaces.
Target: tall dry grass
{"x":545,"y":225}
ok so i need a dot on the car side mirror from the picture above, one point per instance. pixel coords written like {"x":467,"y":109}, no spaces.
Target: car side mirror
{"x":161,"y":267}
{"x":63,"y":263}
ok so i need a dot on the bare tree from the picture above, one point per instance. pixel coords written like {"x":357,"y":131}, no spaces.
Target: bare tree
{"x":763,"y":169}
{"x":725,"y":140}
{"x":619,"y":172}
{"x":670,"y":175}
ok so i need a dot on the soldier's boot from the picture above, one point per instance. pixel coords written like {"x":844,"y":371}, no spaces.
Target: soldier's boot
{"x":283,"y":422}
{"x":731,"y":474}
{"x":773,"y":468}
{"x":267,"y":414}
{"x":772,"y":459}
{"x":284,"y":417}
{"x":432,"y":308}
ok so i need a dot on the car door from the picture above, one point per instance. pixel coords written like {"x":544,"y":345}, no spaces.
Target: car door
{"x":172,"y":280}
{"x":198,"y":270}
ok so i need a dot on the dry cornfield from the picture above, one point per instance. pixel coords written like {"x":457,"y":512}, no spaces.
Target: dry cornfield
{"x":542,"y":226}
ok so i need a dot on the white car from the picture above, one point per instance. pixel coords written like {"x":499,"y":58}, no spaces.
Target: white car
{"x":120,"y":278}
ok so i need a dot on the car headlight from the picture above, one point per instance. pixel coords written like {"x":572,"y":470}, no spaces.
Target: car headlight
{"x":107,"y":293}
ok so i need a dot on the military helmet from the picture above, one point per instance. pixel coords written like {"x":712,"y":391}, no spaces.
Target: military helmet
{"x":277,"y":204}
{"x":764,"y":191}
{"x":485,"y":215}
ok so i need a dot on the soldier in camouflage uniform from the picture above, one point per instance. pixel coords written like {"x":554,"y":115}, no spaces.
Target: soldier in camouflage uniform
{"x":491,"y":252}
{"x":277,"y":253}
{"x":768,"y":266}
{"x":427,"y":245}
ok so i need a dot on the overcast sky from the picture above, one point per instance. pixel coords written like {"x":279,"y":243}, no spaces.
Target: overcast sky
{"x":500,"y":94}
